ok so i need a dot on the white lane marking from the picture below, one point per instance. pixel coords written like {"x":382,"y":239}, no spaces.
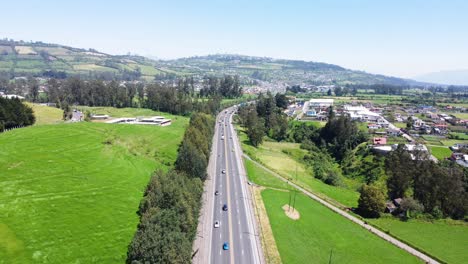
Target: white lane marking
{"x":242,"y":252}
{"x":220,"y":252}
{"x":238,"y":222}
{"x":219,"y":235}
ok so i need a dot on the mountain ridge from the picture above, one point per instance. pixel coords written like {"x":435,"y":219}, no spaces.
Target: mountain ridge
{"x":19,"y":58}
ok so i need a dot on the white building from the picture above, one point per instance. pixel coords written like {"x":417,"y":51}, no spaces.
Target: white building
{"x":314,"y":106}
{"x":361,"y":113}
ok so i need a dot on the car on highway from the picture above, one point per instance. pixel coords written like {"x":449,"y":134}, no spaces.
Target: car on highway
{"x":223,"y":171}
{"x":222,"y":137}
{"x":216,"y":193}
{"x":216,"y":224}
{"x":226,"y":246}
{"x":225,"y":207}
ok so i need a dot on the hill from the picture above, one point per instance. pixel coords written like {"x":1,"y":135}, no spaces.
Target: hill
{"x":18,"y":58}
{"x":70,"y":192}
{"x":459,"y":77}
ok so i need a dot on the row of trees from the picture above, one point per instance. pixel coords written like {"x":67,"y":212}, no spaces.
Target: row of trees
{"x":227,"y":86}
{"x":265,"y":117}
{"x":13,"y":113}
{"x":171,"y":204}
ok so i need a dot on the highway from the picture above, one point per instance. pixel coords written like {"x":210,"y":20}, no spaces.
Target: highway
{"x":237,"y":226}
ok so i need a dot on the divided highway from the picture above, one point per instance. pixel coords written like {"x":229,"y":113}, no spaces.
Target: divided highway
{"x":235,"y":239}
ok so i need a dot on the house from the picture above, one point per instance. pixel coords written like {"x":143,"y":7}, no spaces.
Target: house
{"x":373,"y":126}
{"x":458,"y":146}
{"x":457,"y":156}
{"x":100,"y":117}
{"x":393,"y":205}
{"x":394,"y":132}
{"x":315,"y":106}
{"x":11,"y":96}
{"x":380,"y":141}
{"x":154,"y":120}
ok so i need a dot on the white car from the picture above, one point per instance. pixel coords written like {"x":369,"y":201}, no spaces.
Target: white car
{"x":223,"y":171}
{"x":216,"y":224}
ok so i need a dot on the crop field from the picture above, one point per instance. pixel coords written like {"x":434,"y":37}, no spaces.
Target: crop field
{"x":29,"y":64}
{"x":320,"y":235}
{"x":440,"y":152}
{"x":274,"y":156}
{"x":55,"y":51}
{"x":92,"y":67}
{"x":461,"y":115}
{"x":445,"y":239}
{"x":25,"y":50}
{"x":70,"y":192}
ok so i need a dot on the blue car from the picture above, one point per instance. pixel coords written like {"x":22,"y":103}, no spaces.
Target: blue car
{"x":226,"y":246}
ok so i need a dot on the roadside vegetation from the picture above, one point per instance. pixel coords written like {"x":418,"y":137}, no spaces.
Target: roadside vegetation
{"x":341,"y":162}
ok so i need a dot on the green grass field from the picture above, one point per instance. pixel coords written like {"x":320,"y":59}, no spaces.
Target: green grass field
{"x":272,"y":155}
{"x":46,"y":114}
{"x":445,"y":239}
{"x":125,"y":112}
{"x":440,"y":152}
{"x":70,"y":192}
{"x":261,"y":177}
{"x":320,"y":232}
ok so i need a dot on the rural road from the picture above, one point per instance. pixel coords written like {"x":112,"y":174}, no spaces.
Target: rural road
{"x":354,"y":219}
{"x":237,"y":225}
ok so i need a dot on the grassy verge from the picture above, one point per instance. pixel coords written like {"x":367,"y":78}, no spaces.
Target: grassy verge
{"x":274,"y":156}
{"x":320,"y":235}
{"x":70,"y":191}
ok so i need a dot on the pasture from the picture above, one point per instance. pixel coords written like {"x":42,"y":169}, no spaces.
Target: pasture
{"x":46,"y":114}
{"x":320,"y":235}
{"x":445,"y":239}
{"x":70,"y":192}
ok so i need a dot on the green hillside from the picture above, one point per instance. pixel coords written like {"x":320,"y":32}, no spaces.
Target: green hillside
{"x":70,"y":192}
{"x":19,"y":58}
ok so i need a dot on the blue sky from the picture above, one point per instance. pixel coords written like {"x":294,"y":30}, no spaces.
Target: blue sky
{"x":399,"y":37}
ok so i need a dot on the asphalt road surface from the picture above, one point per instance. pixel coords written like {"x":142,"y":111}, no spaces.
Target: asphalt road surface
{"x":237,"y":227}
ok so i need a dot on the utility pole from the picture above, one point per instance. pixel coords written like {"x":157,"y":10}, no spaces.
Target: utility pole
{"x":294,"y":201}
{"x":331,"y":254}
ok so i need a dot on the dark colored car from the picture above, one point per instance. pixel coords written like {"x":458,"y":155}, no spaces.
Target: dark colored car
{"x":225,"y":207}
